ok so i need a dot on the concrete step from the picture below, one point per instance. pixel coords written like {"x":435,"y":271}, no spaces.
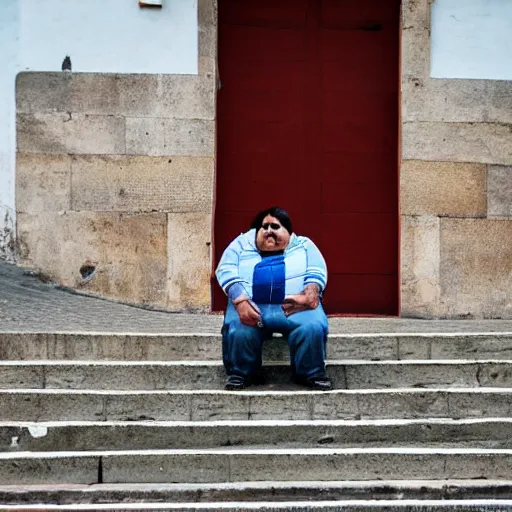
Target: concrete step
{"x":291,"y":506}
{"x":132,"y":494}
{"x":209,"y":405}
{"x":88,"y":436}
{"x":210,"y":374}
{"x":254,"y":464}
{"x":179,"y":346}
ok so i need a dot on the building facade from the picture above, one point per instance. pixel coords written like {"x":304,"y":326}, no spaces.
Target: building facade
{"x":126,"y":183}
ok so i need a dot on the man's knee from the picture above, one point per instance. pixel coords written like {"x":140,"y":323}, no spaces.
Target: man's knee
{"x":244,"y":334}
{"x":314,"y":330}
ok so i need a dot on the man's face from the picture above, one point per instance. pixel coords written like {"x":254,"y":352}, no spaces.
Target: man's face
{"x":272,"y":236}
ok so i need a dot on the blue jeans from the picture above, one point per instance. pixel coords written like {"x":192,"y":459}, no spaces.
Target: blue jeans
{"x":306,"y":333}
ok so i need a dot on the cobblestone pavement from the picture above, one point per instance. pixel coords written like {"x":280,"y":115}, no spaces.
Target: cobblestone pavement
{"x":27,"y":304}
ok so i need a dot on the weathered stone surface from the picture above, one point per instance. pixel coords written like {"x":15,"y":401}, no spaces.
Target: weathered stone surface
{"x":280,"y":407}
{"x":207,"y":12}
{"x":180,"y":96}
{"x":259,"y":491}
{"x":479,"y":466}
{"x":23,"y":346}
{"x":415,"y":52}
{"x":162,"y":137}
{"x":128,"y":251}
{"x":207,"y":67}
{"x":21,"y":377}
{"x":476,"y":268}
{"x":477,"y":346}
{"x":499,"y":191}
{"x":416,"y":13}
{"x":186,"y":96}
{"x":162,"y":436}
{"x":363,"y":348}
{"x":43,"y":183}
{"x":413,"y":347}
{"x":7,"y":232}
{"x":211,"y":375}
{"x":207,"y":21}
{"x":403,"y":405}
{"x":412,"y":375}
{"x":415,"y":39}
{"x":145,"y":136}
{"x":63,"y":405}
{"x":219,"y":407}
{"x":495,"y":404}
{"x":104,"y":93}
{"x":165,"y":468}
{"x":155,"y":406}
{"x":142,"y":184}
{"x":123,"y":376}
{"x":32,"y":406}
{"x":44,"y":92}
{"x":189,"y":137}
{"x":66,"y":133}
{"x":337,"y":465}
{"x":420,"y":266}
{"x":342,"y":405}
{"x":189,"y":252}
{"x":456,"y":101}
{"x":28,"y":468}
{"x":443,"y":188}
{"x":457,"y":142}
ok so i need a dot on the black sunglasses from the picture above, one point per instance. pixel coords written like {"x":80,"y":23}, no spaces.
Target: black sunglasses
{"x":271,"y":225}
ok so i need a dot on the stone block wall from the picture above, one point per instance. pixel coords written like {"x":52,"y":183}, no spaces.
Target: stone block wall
{"x":116,"y":172}
{"x":456,"y":186}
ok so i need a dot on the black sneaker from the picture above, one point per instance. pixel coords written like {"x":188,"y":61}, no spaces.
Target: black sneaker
{"x":320,"y":383}
{"x":314,"y":383}
{"x":235,"y":383}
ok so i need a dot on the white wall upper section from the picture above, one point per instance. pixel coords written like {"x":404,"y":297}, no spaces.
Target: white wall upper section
{"x":471,"y":39}
{"x":9,"y":39}
{"x":100,"y":36}
{"x":109,"y":36}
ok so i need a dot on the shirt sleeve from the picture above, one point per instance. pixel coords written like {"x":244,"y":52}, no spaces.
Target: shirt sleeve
{"x":316,"y":268}
{"x":227,"y":273}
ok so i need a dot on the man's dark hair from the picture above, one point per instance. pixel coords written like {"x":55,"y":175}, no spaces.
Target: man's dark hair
{"x":280,"y":214}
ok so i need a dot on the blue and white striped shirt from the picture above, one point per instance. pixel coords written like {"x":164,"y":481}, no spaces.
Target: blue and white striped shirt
{"x":268,"y":279}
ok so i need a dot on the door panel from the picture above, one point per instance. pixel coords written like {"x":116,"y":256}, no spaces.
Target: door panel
{"x":308,"y":116}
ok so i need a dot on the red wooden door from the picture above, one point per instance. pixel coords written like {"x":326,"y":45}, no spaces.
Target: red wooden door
{"x":308,"y":115}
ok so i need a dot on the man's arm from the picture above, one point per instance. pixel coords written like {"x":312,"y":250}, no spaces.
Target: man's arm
{"x":227,"y":272}
{"x":315,"y":281}
{"x":316,"y":269}
{"x":234,"y":286}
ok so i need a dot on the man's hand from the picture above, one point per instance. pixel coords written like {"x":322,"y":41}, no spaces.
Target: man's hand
{"x":307,"y":299}
{"x":248,"y":312}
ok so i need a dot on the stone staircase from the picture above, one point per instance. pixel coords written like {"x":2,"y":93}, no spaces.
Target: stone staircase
{"x":141,"y":422}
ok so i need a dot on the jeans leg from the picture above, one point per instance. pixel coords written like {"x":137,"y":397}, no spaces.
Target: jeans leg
{"x":307,"y":339}
{"x":241,"y":345}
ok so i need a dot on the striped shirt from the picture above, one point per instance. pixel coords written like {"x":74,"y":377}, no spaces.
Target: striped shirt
{"x":268,"y":279}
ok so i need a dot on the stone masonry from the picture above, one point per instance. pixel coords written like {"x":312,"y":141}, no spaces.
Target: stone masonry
{"x":455,"y":187}
{"x":117,"y":172}
{"x":109,"y":407}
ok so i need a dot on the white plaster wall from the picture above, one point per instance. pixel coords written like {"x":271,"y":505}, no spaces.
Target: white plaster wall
{"x":109,"y":36}
{"x":9,"y":44}
{"x":101,"y":36}
{"x":471,"y":39}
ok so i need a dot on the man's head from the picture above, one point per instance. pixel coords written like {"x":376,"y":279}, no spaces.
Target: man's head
{"x":273,"y":229}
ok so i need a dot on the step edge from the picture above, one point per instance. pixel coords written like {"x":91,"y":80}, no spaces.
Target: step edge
{"x":385,"y":422}
{"x":29,"y":455}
